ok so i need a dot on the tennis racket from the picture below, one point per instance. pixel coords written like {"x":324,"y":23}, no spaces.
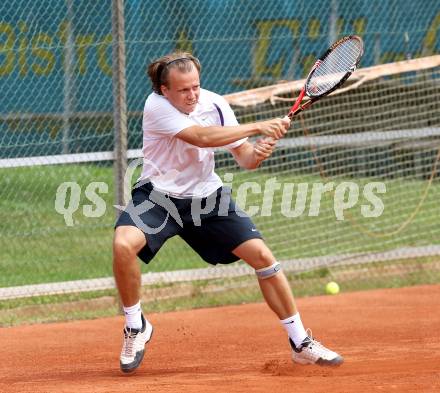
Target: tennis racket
{"x":329,"y":72}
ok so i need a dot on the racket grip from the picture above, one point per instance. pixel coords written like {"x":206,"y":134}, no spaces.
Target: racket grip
{"x":287,"y":118}
{"x":269,"y":138}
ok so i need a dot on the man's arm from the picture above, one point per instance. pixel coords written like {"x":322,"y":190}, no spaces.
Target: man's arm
{"x":250,"y":156}
{"x":215,"y":136}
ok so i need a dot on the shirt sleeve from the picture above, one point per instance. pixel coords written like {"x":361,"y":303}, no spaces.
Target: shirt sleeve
{"x":160,"y":117}
{"x":229,"y":120}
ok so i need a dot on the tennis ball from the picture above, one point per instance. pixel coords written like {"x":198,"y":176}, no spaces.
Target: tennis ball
{"x":332,"y":288}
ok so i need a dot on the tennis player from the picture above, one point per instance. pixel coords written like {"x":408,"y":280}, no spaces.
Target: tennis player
{"x":178,"y":193}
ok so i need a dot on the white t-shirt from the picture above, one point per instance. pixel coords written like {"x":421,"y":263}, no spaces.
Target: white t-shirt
{"x":174,"y":166}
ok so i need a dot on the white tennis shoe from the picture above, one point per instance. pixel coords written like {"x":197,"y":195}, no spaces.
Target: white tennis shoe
{"x":313,"y":352}
{"x":133,"y":347}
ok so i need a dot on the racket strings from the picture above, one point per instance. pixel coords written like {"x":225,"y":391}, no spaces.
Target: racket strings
{"x":334,"y":67}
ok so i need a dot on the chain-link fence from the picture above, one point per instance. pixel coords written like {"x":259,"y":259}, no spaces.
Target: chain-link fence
{"x":63,"y":71}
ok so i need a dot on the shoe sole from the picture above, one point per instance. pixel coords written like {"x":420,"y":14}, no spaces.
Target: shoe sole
{"x":337,"y":361}
{"x":138,"y":361}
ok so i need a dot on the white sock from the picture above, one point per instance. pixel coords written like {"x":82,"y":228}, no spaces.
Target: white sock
{"x":295,"y":329}
{"x":133,"y":319}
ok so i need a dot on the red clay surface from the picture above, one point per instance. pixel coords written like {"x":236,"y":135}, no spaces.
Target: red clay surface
{"x":389,"y":338}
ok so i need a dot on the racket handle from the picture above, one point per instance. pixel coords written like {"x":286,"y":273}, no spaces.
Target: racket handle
{"x":269,"y":138}
{"x":287,"y":118}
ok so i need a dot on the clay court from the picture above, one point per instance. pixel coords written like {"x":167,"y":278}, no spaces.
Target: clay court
{"x":389,"y":338}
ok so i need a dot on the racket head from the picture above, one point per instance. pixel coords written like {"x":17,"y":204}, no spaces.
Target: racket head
{"x":334,"y":67}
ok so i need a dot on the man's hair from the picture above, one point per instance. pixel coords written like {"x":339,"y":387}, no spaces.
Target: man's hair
{"x":159,"y":69}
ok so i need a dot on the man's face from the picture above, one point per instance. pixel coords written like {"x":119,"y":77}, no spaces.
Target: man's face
{"x":183,"y":89}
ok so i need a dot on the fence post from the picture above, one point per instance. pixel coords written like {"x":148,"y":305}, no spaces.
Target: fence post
{"x":68,"y":65}
{"x":119,"y":101}
{"x":119,"y":106}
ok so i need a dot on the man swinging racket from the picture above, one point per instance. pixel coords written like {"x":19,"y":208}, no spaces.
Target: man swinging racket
{"x":182,"y":123}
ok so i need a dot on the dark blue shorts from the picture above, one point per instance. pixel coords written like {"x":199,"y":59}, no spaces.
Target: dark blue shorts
{"x":212,"y":226}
